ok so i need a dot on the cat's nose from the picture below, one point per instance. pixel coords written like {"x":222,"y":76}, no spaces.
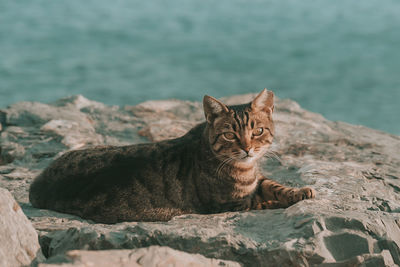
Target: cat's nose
{"x":245,"y":145}
{"x":247,"y":149}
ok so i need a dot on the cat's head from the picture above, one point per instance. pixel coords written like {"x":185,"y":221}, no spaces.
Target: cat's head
{"x":242,"y":133}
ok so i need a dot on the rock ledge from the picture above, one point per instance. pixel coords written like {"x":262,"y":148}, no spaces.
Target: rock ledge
{"x":354,"y":220}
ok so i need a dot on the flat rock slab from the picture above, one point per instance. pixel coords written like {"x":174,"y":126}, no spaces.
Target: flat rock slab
{"x":19,"y":243}
{"x":354,"y":219}
{"x":150,"y":256}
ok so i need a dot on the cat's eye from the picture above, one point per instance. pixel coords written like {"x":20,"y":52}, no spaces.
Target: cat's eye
{"x":229,"y":136}
{"x":258,"y":131}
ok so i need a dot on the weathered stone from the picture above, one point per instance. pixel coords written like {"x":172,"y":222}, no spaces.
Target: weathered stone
{"x":150,"y":256}
{"x":74,"y":135}
{"x":354,"y":220}
{"x":163,"y":119}
{"x":78,"y":102}
{"x":18,"y":239}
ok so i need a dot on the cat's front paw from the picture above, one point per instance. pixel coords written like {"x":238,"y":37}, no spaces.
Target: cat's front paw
{"x":301,"y":194}
{"x":307,"y":193}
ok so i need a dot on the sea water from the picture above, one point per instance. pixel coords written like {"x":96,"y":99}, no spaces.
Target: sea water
{"x":339,"y":58}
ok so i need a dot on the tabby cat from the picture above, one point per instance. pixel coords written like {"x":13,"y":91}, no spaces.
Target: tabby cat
{"x":213,"y":168}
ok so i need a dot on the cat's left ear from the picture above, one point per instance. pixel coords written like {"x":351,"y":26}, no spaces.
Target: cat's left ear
{"x":264,"y":101}
{"x":213,"y":108}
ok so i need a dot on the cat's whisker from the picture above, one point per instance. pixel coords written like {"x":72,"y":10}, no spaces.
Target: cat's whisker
{"x":272,"y":155}
{"x":275,"y":154}
{"x":219,"y":166}
{"x":222,"y":165}
{"x":218,"y":157}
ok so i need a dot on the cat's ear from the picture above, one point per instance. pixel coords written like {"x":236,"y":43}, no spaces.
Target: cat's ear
{"x":213,"y":108}
{"x":264,"y":101}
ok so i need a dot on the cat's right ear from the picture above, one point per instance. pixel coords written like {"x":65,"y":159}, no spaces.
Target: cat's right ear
{"x":264,"y":101}
{"x":213,"y":108}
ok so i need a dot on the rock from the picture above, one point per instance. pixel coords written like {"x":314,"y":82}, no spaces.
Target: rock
{"x":18,"y":239}
{"x":78,"y":102}
{"x":74,"y":135}
{"x":150,"y":256}
{"x":353,"y":221}
{"x":163,"y":119}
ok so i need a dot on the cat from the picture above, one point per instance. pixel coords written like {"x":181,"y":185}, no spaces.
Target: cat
{"x":211,"y":169}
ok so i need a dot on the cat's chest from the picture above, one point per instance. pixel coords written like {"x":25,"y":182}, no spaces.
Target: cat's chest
{"x":244,"y":183}
{"x":244,"y":188}
{"x":237,"y":197}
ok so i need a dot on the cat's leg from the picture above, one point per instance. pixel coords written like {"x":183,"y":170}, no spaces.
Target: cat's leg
{"x":259,"y":203}
{"x":276,"y":195}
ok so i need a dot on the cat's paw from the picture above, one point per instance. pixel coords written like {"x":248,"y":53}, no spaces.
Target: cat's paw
{"x":307,"y":193}
{"x":301,"y":194}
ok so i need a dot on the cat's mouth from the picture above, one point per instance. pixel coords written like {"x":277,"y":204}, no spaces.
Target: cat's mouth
{"x":246,"y":158}
{"x":248,"y":155}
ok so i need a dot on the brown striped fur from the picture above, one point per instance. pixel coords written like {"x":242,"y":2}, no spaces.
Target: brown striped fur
{"x":213,"y":168}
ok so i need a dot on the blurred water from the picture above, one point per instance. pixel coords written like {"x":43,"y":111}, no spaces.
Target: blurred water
{"x":339,"y":58}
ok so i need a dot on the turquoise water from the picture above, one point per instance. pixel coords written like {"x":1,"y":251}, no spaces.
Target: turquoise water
{"x":339,"y":58}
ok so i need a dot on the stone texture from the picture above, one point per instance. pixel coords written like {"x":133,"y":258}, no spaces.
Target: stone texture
{"x":19,"y":243}
{"x":150,"y":256}
{"x":356,"y":171}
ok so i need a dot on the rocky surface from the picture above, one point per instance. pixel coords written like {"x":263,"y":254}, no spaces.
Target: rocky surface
{"x":18,"y":239}
{"x":354,"y":219}
{"x":150,"y":256}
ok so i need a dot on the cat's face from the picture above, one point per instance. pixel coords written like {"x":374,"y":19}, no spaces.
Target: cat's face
{"x":240,"y":134}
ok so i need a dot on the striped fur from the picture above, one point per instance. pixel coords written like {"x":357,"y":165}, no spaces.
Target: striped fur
{"x":213,"y":168}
